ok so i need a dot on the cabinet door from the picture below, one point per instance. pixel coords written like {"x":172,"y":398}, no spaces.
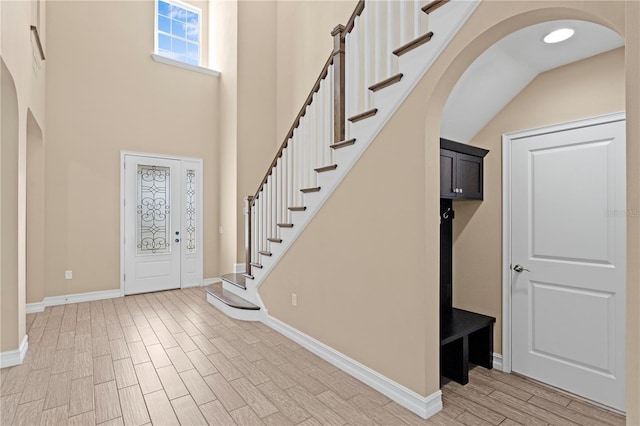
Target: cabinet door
{"x":469,"y":176}
{"x":447,"y":173}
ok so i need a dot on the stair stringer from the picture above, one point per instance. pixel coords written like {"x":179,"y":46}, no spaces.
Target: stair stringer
{"x":445,"y":24}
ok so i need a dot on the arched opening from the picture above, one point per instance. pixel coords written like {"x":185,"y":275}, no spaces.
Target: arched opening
{"x":35,"y":211}
{"x":587,"y":80}
{"x":9,"y":218}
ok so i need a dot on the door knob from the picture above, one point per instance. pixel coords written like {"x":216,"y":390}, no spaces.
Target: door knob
{"x":520,"y":268}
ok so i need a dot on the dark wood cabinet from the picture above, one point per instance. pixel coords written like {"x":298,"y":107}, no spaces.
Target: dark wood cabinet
{"x":465,"y":337}
{"x":461,"y":171}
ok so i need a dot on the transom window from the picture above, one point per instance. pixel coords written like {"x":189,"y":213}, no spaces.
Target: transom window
{"x":178,"y":31}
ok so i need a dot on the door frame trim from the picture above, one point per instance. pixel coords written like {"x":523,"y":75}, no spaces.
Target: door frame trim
{"x":199,"y":208}
{"x":507,"y":140}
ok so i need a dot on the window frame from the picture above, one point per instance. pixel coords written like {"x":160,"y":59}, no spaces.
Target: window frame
{"x":188,"y":7}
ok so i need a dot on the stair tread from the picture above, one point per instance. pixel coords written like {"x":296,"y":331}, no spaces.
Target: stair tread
{"x":413,"y":44}
{"x":298,"y":209}
{"x":386,"y":82}
{"x":256,"y":265}
{"x":308,"y":190}
{"x":230,"y":299}
{"x":326,"y":168}
{"x":342,"y":144}
{"x":363,"y":115}
{"x":274,"y":240}
{"x":434,"y":5}
{"x":237,"y":279}
{"x":265,"y":253}
{"x":285,"y":225}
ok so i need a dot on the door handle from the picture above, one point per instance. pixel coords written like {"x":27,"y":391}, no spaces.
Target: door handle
{"x":520,"y":268}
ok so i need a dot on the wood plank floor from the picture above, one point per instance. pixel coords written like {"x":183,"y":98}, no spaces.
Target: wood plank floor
{"x":171,"y":358}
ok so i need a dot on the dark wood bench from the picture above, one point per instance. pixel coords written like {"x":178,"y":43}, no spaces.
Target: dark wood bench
{"x":464,"y":337}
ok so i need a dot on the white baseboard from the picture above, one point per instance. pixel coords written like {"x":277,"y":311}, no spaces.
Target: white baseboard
{"x":423,"y":406}
{"x":205,"y":282}
{"x":209,"y":281}
{"x":35,"y":307}
{"x":239,"y":268}
{"x":72,"y":298}
{"x":497,"y":361}
{"x":15,"y":357}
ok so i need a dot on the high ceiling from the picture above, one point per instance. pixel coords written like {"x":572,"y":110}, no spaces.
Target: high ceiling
{"x":507,"y":67}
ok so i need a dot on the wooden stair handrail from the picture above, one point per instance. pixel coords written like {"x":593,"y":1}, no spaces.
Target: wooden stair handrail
{"x":337,"y":58}
{"x":351,"y":23}
{"x":294,"y":126}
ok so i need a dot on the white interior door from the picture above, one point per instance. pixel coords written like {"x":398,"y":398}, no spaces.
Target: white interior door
{"x":568,"y":236}
{"x":152,"y":224}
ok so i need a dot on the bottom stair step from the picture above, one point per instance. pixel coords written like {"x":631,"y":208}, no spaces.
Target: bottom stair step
{"x":239,"y":280}
{"x":229,"y":298}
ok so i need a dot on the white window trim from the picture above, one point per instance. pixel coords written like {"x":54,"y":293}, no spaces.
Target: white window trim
{"x":174,"y":62}
{"x":155,"y":34}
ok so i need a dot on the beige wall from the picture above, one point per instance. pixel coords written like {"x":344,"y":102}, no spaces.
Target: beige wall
{"x":9,"y":218}
{"x":224,"y":58}
{"x":632,"y":62}
{"x":280,"y":49}
{"x":560,"y":95}
{"x":105,"y":94}
{"x":256,"y":94}
{"x":19,"y":73}
{"x":35,"y":290}
{"x":379,"y":305}
{"x":304,"y":44}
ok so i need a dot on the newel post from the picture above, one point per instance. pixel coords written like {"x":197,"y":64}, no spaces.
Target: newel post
{"x":247,"y":233}
{"x":339,"y":120}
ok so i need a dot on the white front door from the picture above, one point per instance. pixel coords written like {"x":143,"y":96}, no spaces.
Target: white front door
{"x":162,"y":226}
{"x":568,"y":240}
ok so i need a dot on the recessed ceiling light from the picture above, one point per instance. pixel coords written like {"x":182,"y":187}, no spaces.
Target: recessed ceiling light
{"x":558,"y":35}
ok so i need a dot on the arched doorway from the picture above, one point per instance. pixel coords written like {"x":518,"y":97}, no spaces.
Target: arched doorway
{"x":9,"y":218}
{"x":474,"y":217}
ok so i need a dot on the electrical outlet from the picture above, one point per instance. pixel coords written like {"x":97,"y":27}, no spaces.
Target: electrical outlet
{"x":294,"y":299}
{"x":68,"y":275}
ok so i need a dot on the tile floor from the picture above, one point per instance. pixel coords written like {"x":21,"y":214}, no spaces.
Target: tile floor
{"x":171,"y":358}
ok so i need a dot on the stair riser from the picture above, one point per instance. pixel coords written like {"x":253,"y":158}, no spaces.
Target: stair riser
{"x":248,"y":294}
{"x":239,"y":314}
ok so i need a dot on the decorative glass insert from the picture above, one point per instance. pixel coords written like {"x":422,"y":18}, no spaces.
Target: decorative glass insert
{"x":178,"y":27}
{"x":153,"y":210}
{"x":191,"y":211}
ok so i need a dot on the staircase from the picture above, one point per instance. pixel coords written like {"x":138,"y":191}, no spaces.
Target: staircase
{"x":378,"y":58}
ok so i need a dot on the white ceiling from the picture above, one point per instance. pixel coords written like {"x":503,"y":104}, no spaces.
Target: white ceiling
{"x":507,"y":67}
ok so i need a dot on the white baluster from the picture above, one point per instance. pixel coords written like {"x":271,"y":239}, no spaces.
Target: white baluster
{"x":380,"y":54}
{"x":405,"y":22}
{"x":290,"y":199}
{"x":260,"y":219}
{"x":423,"y":20}
{"x":351,"y":69}
{"x":393,"y":35}
{"x":330,"y":89}
{"x":313,"y":139}
{"x":369,"y":54}
{"x":416,"y":18}
{"x":323,"y":134}
{"x":285,"y":187}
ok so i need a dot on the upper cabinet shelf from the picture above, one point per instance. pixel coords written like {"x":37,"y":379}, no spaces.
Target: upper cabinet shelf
{"x":461,"y":171}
